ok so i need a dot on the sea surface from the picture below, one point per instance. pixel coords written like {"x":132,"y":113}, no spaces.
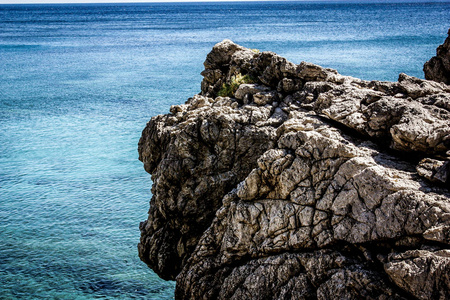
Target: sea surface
{"x":78,"y":84}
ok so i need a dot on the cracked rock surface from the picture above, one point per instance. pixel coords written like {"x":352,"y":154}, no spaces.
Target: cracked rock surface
{"x":305,"y":184}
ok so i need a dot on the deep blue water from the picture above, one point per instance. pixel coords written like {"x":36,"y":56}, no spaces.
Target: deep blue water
{"x":79,"y":82}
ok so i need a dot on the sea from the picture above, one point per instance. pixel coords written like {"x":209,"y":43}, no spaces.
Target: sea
{"x":78,"y":84}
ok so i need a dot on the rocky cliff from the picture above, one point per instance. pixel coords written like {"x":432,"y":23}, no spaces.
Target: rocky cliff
{"x":285,"y":181}
{"x":438,"y":67}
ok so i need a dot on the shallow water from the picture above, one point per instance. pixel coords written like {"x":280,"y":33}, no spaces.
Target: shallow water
{"x":79,"y":82}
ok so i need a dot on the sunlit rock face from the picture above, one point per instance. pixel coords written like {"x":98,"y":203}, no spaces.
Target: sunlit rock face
{"x":300,"y":183}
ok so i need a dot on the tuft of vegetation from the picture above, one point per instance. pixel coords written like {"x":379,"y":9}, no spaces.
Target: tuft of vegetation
{"x":255,"y":50}
{"x":228,"y":89}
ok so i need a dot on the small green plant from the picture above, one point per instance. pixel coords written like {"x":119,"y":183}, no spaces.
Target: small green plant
{"x":255,"y":50}
{"x":228,"y":89}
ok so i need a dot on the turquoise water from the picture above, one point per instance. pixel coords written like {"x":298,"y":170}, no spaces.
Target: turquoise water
{"x":79,"y":82}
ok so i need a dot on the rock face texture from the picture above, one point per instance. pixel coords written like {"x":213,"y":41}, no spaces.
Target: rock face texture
{"x":303,"y":184}
{"x":438,"y":67}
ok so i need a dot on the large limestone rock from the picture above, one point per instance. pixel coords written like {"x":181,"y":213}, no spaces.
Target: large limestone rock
{"x":302,"y":184}
{"x":438,"y":67}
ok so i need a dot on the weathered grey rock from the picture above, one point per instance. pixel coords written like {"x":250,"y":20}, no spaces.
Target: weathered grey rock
{"x":411,"y":269}
{"x":438,"y":67}
{"x":250,"y":89}
{"x":305,"y":185}
{"x":196,"y":154}
{"x":434,"y":170}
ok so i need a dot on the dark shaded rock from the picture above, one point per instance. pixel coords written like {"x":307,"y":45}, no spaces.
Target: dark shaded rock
{"x":195,"y":155}
{"x":438,"y":67}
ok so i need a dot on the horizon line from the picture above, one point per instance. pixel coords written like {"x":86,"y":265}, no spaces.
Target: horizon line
{"x":6,"y":2}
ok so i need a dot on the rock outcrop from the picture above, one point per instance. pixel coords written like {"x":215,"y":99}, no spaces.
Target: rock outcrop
{"x":438,"y":67}
{"x":300,"y":183}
